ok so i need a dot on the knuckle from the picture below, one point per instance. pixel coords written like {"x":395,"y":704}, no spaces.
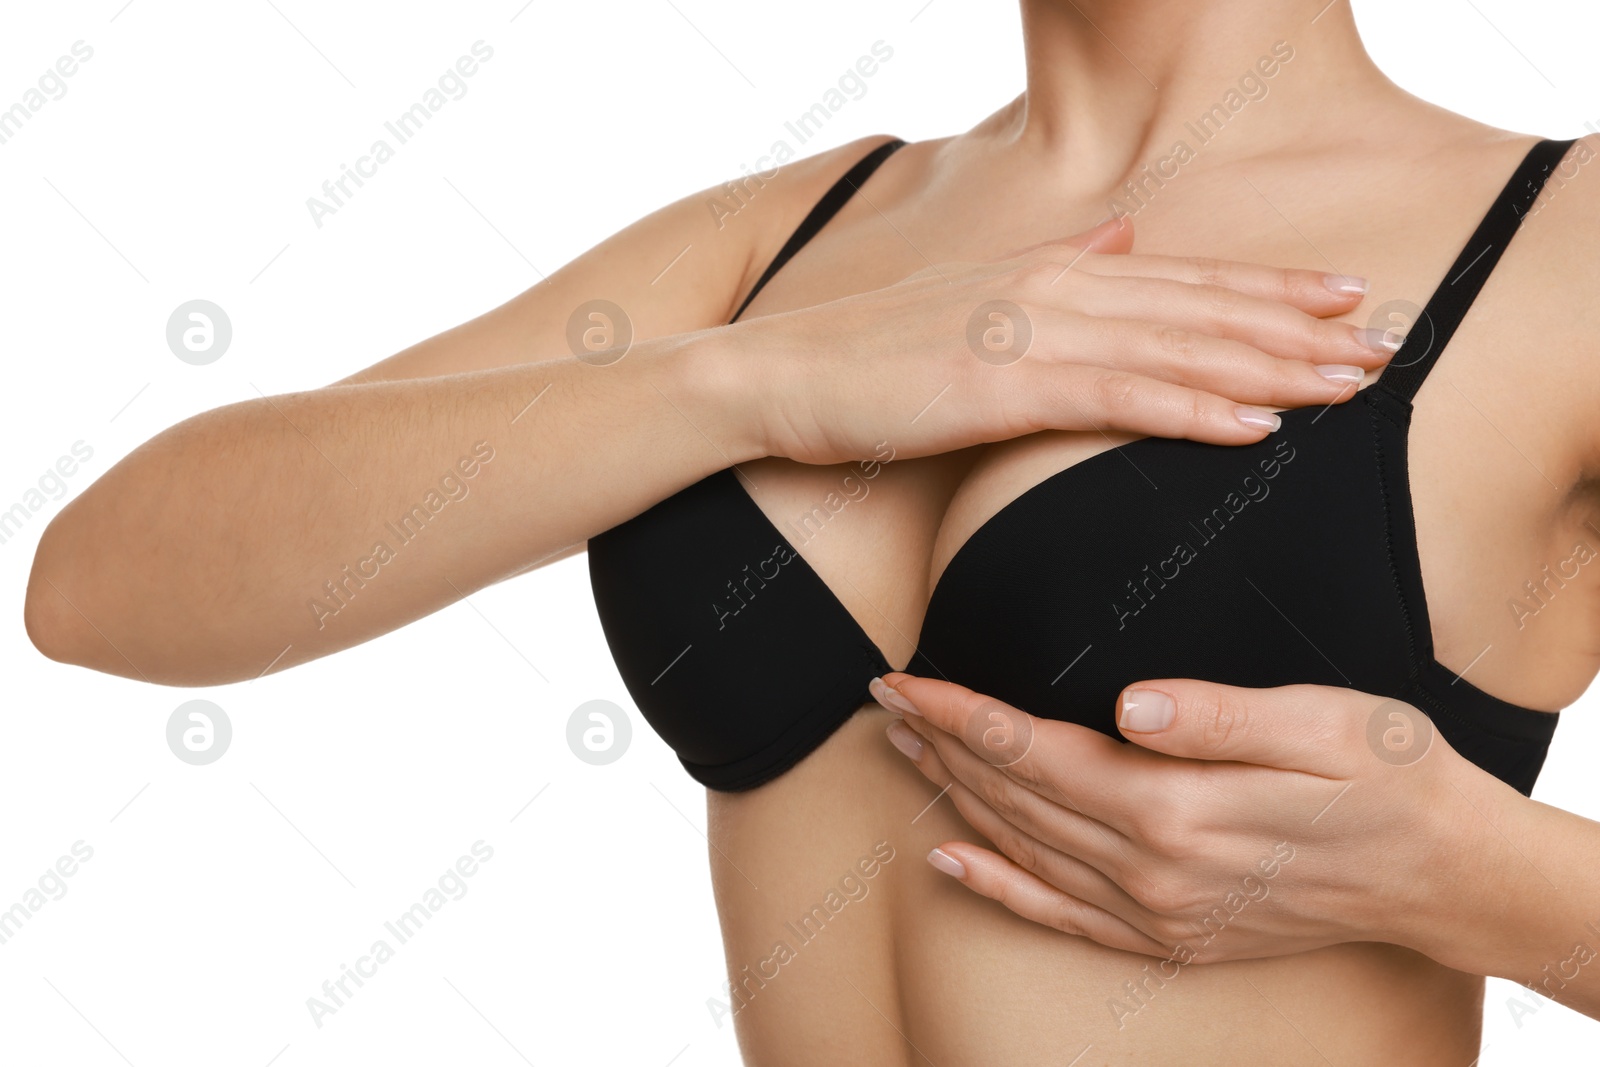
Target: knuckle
{"x":1322,"y":333}
{"x":1114,"y":392}
{"x":1223,"y":719}
{"x":1206,"y":270}
{"x":1290,"y":377}
{"x":1176,"y":342}
{"x":1065,"y":917}
{"x":1287,"y":282}
{"x":997,"y":792}
{"x":1221,"y":302}
{"x":1169,"y":929}
{"x":1023,"y":851}
{"x":1159,"y":894}
{"x":1163,"y":838}
{"x":1162,"y":826}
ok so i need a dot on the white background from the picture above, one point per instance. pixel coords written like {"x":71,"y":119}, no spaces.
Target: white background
{"x":177,"y":166}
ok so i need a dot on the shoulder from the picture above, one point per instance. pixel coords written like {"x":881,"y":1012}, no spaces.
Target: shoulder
{"x":765,"y":206}
{"x":1565,"y":219}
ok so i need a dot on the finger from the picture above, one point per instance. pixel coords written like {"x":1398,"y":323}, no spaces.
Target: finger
{"x":1094,"y":880}
{"x":1008,"y":806}
{"x":1237,"y":369}
{"x":1113,"y":236}
{"x":1214,"y":310}
{"x":1316,"y":729}
{"x":1047,"y":396}
{"x":1072,"y":765}
{"x":1316,"y":292}
{"x":1034,"y":899}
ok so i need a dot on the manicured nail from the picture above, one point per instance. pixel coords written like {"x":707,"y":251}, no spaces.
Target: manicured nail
{"x":902,"y":737}
{"x":1345,"y":283}
{"x":891,"y":699}
{"x":1257,"y":419}
{"x":947,"y":863}
{"x":1144,"y":710}
{"x":1336,"y":372}
{"x":1381,"y":340}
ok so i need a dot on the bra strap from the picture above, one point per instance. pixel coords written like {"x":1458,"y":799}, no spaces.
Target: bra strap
{"x":1449,"y":304}
{"x":826,"y":208}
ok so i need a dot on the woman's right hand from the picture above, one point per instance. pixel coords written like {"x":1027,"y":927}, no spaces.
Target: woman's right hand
{"x":1076,"y":334}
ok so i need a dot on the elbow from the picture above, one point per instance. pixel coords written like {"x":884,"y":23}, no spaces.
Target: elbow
{"x":47,"y":628}
{"x":61,"y":600}
{"x":52,"y":624}
{"x":78,"y":610}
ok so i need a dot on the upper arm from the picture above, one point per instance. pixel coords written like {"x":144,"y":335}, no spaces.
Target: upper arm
{"x":683,"y":267}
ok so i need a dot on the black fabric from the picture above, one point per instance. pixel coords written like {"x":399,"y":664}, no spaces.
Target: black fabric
{"x":826,"y":208}
{"x":1428,"y":336}
{"x":1290,"y":560}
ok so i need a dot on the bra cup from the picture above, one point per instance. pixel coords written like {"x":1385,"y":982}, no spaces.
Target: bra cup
{"x":1291,"y":560}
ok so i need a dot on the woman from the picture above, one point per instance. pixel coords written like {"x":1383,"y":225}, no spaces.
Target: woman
{"x":883,"y":959}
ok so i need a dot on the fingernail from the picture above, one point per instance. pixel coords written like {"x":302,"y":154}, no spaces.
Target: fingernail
{"x":947,"y":863}
{"x":902,"y":737}
{"x":1380,"y":340}
{"x":890,"y":698}
{"x":1257,"y":419}
{"x":1145,"y":710}
{"x":1337,"y":372}
{"x":1345,"y":283}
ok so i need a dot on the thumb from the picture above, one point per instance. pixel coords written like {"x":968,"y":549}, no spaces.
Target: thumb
{"x":1313,"y":728}
{"x":1114,"y":236}
{"x":1111,"y":237}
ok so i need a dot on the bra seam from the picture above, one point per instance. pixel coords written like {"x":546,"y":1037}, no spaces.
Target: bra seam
{"x":1413,"y":658}
{"x":1418,"y":658}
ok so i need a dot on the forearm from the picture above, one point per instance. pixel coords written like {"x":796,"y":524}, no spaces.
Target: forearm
{"x":305,"y":523}
{"x":1520,"y":897}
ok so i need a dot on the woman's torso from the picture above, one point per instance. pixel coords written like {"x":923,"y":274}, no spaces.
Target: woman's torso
{"x":906,"y":964}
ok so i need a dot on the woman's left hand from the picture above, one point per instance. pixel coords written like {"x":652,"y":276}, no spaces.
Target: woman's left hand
{"x":1242,"y":823}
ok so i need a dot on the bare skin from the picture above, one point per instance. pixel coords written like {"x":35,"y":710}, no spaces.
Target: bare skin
{"x":917,"y":969}
{"x":1384,"y":186}
{"x":1503,"y":454}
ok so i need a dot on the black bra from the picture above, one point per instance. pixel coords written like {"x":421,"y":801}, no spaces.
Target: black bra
{"x":1290,"y":560}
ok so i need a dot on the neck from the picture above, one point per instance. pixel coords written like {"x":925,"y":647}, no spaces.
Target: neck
{"x":1113,"y":85}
